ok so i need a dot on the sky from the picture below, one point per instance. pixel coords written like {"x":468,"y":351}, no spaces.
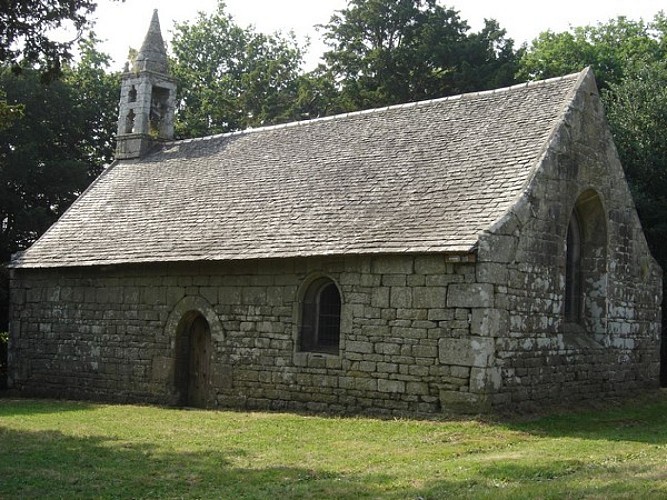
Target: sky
{"x":124,"y":25}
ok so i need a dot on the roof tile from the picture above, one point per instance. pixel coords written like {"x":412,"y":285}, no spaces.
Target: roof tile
{"x":422,"y":177}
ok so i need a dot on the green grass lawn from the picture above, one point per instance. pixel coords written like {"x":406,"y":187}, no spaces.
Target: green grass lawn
{"x":68,"y":450}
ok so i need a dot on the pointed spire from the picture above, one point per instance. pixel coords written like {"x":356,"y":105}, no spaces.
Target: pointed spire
{"x":147,"y":99}
{"x":152,"y":56}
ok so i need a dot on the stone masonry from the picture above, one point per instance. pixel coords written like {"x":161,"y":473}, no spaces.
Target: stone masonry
{"x":420,"y":335}
{"x":112,"y":341}
{"x":479,"y":252}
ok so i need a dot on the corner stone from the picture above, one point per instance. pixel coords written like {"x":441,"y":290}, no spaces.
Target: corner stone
{"x":472,"y":295}
{"x":463,"y":402}
{"x":489,"y":322}
{"x":471,"y":351}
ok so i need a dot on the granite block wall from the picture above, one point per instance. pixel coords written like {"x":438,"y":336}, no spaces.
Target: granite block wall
{"x":419,"y":335}
{"x":111,"y":333}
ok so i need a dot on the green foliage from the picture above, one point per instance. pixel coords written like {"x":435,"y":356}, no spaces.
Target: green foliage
{"x":26,"y":33}
{"x":77,"y":449}
{"x":8,"y":114}
{"x":39,"y":176}
{"x":637,"y":112}
{"x":4,"y":297}
{"x":96,"y":97}
{"x":318,"y":95}
{"x":50,"y":155}
{"x":232,"y":78}
{"x":611,"y":49}
{"x":4,"y":339}
{"x":387,"y":51}
{"x":382,"y":52}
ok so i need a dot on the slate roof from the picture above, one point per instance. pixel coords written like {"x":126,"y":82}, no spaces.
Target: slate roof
{"x":421,"y":177}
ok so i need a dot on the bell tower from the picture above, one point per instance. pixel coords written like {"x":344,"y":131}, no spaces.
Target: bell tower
{"x":147,"y":98}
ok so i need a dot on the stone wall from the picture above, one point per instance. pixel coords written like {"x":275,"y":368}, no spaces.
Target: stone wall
{"x":614,"y":349}
{"x":419,"y":335}
{"x":110,"y":333}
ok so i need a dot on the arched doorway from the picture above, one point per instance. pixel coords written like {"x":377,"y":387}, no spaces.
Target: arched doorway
{"x":193,"y":360}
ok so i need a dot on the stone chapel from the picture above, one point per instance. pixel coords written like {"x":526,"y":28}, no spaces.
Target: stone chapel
{"x":470,"y":253}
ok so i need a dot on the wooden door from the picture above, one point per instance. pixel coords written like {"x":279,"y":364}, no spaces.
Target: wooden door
{"x":199,"y":362}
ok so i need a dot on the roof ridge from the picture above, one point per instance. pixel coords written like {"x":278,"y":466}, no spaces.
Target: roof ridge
{"x":351,"y":114}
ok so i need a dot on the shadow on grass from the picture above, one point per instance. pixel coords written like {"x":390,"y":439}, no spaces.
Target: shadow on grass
{"x":58,"y":465}
{"x":35,"y":464}
{"x":643,"y":420}
{"x":52,"y":464}
{"x":11,"y":406}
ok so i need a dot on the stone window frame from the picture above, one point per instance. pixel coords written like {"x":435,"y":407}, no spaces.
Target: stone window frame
{"x":158,"y":110}
{"x":318,"y":281}
{"x":588,"y":284}
{"x":573,"y":252}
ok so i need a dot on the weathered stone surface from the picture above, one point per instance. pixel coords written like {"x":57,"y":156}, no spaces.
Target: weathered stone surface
{"x":498,"y":248}
{"x":429,"y":297}
{"x":395,"y":386}
{"x":489,"y":322}
{"x":470,"y":295}
{"x":252,"y":311}
{"x":468,"y":351}
{"x":486,"y":380}
{"x":462,"y":402}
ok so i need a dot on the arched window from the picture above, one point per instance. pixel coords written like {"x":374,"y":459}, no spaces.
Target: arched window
{"x":129,"y":122}
{"x":585,"y":294}
{"x":573,"y":271}
{"x":320,"y":317}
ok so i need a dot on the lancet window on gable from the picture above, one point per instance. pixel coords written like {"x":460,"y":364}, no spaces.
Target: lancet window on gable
{"x":585,"y":294}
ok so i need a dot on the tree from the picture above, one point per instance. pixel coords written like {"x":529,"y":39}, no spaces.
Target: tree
{"x":26,"y":28}
{"x":391,"y":51}
{"x":609,"y":48}
{"x":96,"y":92}
{"x":637,"y":113}
{"x":8,"y":113}
{"x":488,"y":60}
{"x":50,"y":155}
{"x":318,"y":95}
{"x":231,"y":78}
